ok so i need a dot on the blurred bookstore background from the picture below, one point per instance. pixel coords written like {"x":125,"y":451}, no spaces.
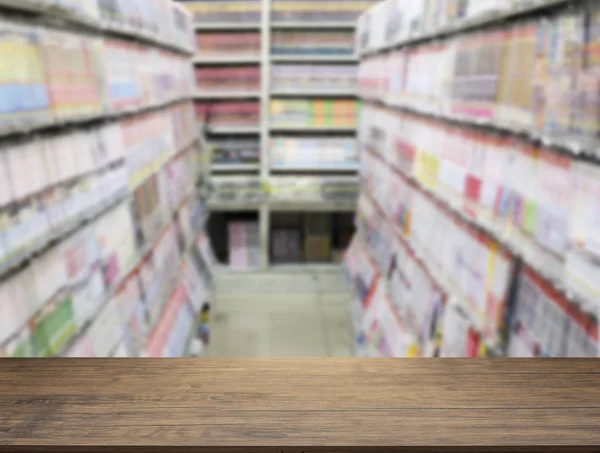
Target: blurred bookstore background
{"x":395,"y":178}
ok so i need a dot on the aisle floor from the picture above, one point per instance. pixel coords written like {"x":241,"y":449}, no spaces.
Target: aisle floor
{"x":283,"y":313}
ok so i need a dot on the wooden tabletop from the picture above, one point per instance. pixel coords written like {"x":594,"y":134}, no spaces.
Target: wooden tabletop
{"x":320,"y":405}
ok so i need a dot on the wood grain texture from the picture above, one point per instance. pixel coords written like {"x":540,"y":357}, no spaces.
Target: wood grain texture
{"x":299,"y":405}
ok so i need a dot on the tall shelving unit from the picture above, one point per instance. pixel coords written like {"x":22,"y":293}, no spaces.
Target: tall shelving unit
{"x":479,"y":180}
{"x":102,"y":249}
{"x":267,"y":187}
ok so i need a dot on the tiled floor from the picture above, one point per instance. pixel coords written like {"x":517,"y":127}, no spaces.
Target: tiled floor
{"x":294,"y":312}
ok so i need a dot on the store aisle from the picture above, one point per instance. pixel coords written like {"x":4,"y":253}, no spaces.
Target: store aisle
{"x":293,"y":312}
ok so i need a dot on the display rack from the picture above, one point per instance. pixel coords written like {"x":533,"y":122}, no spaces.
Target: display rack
{"x":102,"y":250}
{"x":478,"y":180}
{"x":243,"y":186}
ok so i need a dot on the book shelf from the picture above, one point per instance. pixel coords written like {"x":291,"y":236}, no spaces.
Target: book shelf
{"x":307,"y":95}
{"x":102,"y":250}
{"x":477,"y":181}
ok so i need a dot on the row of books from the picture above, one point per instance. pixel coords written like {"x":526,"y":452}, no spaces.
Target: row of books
{"x":535,"y":199}
{"x":177,"y":322}
{"x":313,"y":188}
{"x":318,"y":11}
{"x":51,"y":76}
{"x":226,"y":43}
{"x":51,"y":184}
{"x":313,"y":77}
{"x":228,"y":11}
{"x":318,"y":43}
{"x":285,"y":189}
{"x":313,"y":153}
{"x":249,"y":11}
{"x":244,"y":245}
{"x":446,"y":285}
{"x":228,"y":114}
{"x":392,"y":21}
{"x":379,"y":329}
{"x":240,"y":78}
{"x":53,"y":159}
{"x":173,"y":184}
{"x":162,"y":21}
{"x":476,"y":269}
{"x":64,"y":292}
{"x":235,"y":151}
{"x":538,"y":76}
{"x":133,"y":325}
{"x":314,"y":113}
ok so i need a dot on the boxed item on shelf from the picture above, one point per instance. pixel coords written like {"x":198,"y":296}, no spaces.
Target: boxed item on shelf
{"x":317,"y":248}
{"x":244,"y":245}
{"x":317,"y":237}
{"x":286,"y":245}
{"x":238,"y":44}
{"x":235,"y":79}
{"x":314,"y":43}
{"x":225,"y":11}
{"x":295,"y":78}
{"x":314,"y":113}
{"x":313,"y":153}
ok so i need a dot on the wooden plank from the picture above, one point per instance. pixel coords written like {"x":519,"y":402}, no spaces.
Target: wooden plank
{"x":318,"y":405}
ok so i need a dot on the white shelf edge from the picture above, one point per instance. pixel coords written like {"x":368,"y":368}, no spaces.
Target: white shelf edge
{"x":98,"y":117}
{"x":291,"y":128}
{"x":227,"y":26}
{"x":226,"y":95}
{"x":287,"y":205}
{"x":234,"y":205}
{"x":232,"y":168}
{"x":315,"y":168}
{"x":232,"y":130}
{"x":314,"y":58}
{"x":226,"y":59}
{"x":306,"y":267}
{"x":282,"y":25}
{"x":314,"y":93}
